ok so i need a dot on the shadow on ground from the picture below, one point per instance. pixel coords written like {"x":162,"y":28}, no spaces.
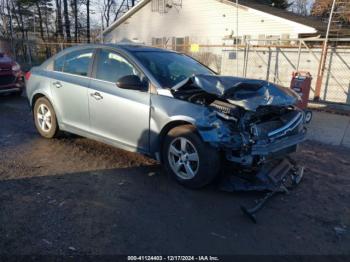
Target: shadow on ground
{"x":77,"y":196}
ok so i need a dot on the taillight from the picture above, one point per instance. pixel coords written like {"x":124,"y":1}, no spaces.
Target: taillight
{"x":27,"y":75}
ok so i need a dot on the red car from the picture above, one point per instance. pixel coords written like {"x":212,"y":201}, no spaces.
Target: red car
{"x":11,"y":76}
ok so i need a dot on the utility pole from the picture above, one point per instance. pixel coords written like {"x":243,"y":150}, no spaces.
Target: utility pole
{"x":322,"y":64}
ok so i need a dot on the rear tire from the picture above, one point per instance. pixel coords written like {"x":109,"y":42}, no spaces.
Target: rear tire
{"x":188,"y":159}
{"x":45,"y":118}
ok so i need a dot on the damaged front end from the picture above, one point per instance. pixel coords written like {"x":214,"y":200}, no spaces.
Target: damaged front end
{"x":251,"y":121}
{"x":256,"y":124}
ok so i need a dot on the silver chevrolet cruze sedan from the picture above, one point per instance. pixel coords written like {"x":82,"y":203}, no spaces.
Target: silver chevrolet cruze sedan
{"x":166,"y":105}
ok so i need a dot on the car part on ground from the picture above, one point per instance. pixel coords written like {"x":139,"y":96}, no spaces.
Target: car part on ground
{"x":275,"y":177}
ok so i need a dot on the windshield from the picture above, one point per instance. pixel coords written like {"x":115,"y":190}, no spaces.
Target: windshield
{"x":170,"y":68}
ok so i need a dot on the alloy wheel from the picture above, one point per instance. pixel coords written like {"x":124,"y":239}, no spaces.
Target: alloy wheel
{"x":44,"y":118}
{"x":183,"y":158}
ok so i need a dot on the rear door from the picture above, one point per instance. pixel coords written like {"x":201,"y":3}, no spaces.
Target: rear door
{"x":119,"y":115}
{"x":69,"y":86}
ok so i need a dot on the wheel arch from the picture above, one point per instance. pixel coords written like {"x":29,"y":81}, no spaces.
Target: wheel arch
{"x":165,"y":130}
{"x":38,"y":95}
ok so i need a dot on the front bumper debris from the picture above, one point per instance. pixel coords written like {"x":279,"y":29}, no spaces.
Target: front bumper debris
{"x":274,"y":177}
{"x":263,"y":149}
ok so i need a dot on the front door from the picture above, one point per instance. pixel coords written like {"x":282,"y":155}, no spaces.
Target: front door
{"x":116,"y":114}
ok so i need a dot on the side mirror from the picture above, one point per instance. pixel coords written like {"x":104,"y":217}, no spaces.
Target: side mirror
{"x":131,"y":82}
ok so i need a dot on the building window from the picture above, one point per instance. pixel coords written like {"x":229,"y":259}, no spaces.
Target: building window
{"x":272,"y":39}
{"x":285,"y":39}
{"x":246,"y":39}
{"x":237,"y":40}
{"x":158,"y":42}
{"x":159,"y":6}
{"x":262,"y":39}
{"x":181,"y":44}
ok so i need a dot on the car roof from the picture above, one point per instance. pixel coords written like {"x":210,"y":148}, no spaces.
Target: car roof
{"x":122,"y":47}
{"x":125,"y":48}
{"x":137,"y":48}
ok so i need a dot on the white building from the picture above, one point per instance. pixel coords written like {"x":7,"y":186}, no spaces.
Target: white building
{"x":212,"y":24}
{"x":177,"y":22}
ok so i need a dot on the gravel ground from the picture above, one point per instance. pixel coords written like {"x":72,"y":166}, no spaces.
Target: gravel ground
{"x":76,"y":196}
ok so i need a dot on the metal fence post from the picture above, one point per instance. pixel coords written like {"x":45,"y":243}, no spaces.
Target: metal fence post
{"x":275,"y":78}
{"x":299,"y":54}
{"x":268,"y":65}
{"x":320,"y":72}
{"x":328,"y":76}
{"x":323,"y":57}
{"x":29,"y":55}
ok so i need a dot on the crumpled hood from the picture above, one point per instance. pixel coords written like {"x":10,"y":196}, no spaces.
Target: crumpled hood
{"x":247,"y":93}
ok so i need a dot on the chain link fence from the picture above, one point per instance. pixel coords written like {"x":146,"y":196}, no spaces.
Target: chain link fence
{"x":276,"y":61}
{"x":260,"y":59}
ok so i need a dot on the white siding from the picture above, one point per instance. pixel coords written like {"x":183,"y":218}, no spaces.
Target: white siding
{"x":204,"y":21}
{"x":283,"y":61}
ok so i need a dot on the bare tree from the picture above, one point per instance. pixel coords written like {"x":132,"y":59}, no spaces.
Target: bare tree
{"x":123,"y":7}
{"x":66,"y":20}
{"x":300,"y":7}
{"x":59,"y":29}
{"x":107,"y":8}
{"x":16,"y":10}
{"x":75,"y":14}
{"x":88,"y":20}
{"x":322,"y":8}
{"x":37,"y":4}
{"x":4,"y":19}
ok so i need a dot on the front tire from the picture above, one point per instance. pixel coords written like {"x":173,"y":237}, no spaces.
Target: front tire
{"x":188,"y":159}
{"x":45,"y":118}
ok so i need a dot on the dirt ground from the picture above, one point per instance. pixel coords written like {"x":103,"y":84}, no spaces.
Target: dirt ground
{"x":76,"y":196}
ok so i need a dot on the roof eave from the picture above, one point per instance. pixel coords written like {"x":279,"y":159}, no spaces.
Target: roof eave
{"x":127,"y":15}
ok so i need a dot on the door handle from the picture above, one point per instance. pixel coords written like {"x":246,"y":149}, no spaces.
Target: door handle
{"x":96,"y":95}
{"x":57,"y":84}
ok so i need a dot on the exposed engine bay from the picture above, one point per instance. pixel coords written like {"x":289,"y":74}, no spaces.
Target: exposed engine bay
{"x":252,"y":121}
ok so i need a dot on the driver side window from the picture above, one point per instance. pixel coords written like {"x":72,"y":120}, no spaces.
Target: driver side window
{"x":111,"y":67}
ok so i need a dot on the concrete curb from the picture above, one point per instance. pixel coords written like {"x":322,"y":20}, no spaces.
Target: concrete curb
{"x":330,"y":129}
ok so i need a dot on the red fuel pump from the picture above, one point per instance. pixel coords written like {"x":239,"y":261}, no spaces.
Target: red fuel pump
{"x":301,"y":83}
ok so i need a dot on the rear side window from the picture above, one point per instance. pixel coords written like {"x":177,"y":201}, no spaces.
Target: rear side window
{"x":78,"y":62}
{"x":58,"y":63}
